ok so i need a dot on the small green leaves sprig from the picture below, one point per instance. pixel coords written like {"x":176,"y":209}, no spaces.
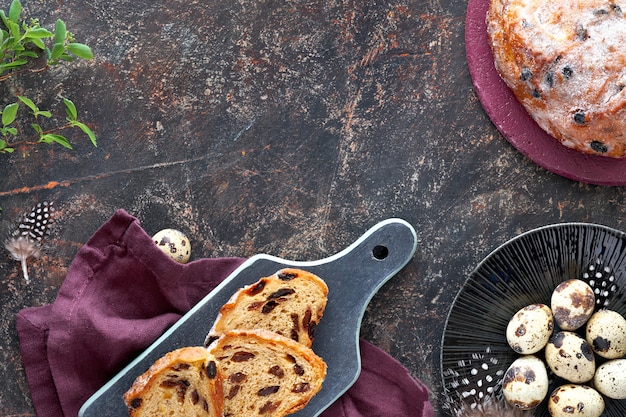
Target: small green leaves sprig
{"x":23,"y":49}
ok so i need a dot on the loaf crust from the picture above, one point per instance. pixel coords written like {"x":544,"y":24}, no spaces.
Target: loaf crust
{"x":565,"y":63}
{"x":265,"y":373}
{"x":184,"y":382}
{"x":291,"y":303}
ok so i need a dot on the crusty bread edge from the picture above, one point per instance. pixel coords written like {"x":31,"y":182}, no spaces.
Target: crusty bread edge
{"x":187,"y":354}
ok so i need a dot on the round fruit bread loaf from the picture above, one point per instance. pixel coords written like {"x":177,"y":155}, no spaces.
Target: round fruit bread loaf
{"x":565,"y":61}
{"x":291,"y":303}
{"x":184,"y":382}
{"x":266,"y":373}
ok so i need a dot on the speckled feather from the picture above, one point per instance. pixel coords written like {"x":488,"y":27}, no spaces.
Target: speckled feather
{"x":602,"y":280}
{"x":474,"y":388}
{"x":27,"y":238}
{"x":494,"y":409}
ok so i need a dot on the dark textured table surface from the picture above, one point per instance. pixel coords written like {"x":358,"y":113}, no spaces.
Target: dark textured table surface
{"x":287,"y":128}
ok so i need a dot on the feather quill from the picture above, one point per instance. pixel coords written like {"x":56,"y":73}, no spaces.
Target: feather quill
{"x":493,"y":408}
{"x":27,"y":239}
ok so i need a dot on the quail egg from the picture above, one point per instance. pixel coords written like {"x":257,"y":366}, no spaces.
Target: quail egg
{"x":573,"y":400}
{"x":525,"y":383}
{"x":606,"y":334}
{"x":174,"y":243}
{"x":530,"y":328}
{"x":610,"y":379}
{"x":569,"y":356}
{"x":572,"y":304}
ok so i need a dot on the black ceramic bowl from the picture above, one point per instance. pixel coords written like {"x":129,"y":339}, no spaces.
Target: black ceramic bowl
{"x":523,"y":271}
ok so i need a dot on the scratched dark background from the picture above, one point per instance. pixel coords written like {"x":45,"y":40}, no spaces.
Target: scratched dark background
{"x":280,"y":127}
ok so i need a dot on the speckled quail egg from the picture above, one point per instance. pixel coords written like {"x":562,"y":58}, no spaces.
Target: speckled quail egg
{"x":606,"y":334}
{"x":530,"y":328}
{"x":174,"y":243}
{"x":525,"y":383}
{"x":573,"y":400}
{"x":569,"y":356}
{"x":610,"y":379}
{"x":572,"y":304}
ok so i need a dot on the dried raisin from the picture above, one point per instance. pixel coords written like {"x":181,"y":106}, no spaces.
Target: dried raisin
{"x":280,"y":293}
{"x":242,"y":356}
{"x":287,"y":276}
{"x":209,"y":340}
{"x":135,"y":403}
{"x":567,"y":72}
{"x":255,"y":305}
{"x":298,"y":369}
{"x":277,"y":371}
{"x":301,"y":387}
{"x":268,"y":407}
{"x":580,"y":117}
{"x":257,"y":288}
{"x":264,"y":392}
{"x":525,"y":75}
{"x":237,"y":377}
{"x":211,"y":370}
{"x":269,"y":307}
{"x":232,"y":392}
{"x":599,"y":146}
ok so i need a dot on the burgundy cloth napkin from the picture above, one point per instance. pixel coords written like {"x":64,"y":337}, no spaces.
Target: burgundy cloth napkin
{"x":121,"y":293}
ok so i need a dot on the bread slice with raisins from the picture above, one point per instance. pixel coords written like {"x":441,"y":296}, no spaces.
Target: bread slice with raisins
{"x":265,"y":373}
{"x":291,"y":303}
{"x":184,"y":382}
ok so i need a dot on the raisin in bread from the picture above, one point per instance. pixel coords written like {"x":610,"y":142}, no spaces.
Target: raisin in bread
{"x":291,"y":303}
{"x":265,"y":373}
{"x":564,"y":61}
{"x":184,"y":382}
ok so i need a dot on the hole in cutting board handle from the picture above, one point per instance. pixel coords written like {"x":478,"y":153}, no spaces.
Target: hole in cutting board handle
{"x":380,"y":252}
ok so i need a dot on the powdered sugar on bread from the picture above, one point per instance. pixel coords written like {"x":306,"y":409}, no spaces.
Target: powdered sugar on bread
{"x":565,"y":61}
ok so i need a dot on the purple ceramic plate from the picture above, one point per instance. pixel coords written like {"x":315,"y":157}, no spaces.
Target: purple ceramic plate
{"x":512,"y":120}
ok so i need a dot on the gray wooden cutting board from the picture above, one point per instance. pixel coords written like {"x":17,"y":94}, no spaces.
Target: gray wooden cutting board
{"x":353,"y":276}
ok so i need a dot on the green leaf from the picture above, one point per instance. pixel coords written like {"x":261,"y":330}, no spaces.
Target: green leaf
{"x":4,"y":18}
{"x":15,"y":64}
{"x":30,"y":54}
{"x":54,"y":138}
{"x":37,"y":128}
{"x":57,"y":51}
{"x":38,"y":33}
{"x":86,"y":130}
{"x":12,"y":130}
{"x":29,"y":103}
{"x":9,"y":113}
{"x":39,"y":44}
{"x":15,"y":11}
{"x":80,"y":50}
{"x":4,"y":148}
{"x":60,"y":32}
{"x":14,"y":29}
{"x":70,"y":109}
